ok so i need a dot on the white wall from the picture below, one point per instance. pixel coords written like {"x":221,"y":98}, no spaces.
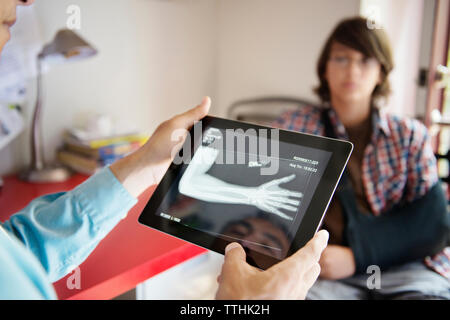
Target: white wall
{"x":402,"y":20}
{"x":157,"y":58}
{"x":271,"y":47}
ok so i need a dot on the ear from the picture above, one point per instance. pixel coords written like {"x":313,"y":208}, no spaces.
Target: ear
{"x":380,"y":78}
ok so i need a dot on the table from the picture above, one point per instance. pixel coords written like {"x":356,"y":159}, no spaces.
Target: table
{"x":130,"y":254}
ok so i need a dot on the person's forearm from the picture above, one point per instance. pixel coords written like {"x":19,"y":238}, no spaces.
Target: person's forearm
{"x":62,"y":229}
{"x":211,"y":189}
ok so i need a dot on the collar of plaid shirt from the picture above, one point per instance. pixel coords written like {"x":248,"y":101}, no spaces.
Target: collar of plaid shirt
{"x":379,"y":121}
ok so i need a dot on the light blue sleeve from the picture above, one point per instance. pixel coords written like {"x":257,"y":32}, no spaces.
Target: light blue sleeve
{"x":62,"y":229}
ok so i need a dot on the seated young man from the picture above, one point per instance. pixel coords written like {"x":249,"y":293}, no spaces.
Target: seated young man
{"x":389,"y":209}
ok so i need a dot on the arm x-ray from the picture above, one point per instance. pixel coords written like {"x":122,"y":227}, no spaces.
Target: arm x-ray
{"x":269,"y":197}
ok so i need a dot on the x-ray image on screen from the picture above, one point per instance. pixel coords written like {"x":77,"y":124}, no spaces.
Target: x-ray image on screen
{"x":269,"y":197}
{"x":236,"y":202}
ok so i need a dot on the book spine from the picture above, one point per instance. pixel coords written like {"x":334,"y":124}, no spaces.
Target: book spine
{"x":118,"y":150}
{"x":106,"y":142}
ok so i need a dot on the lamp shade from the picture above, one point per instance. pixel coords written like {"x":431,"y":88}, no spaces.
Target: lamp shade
{"x":67,"y":46}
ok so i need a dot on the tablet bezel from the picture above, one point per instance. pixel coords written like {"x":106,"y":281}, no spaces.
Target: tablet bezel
{"x":314,"y":214}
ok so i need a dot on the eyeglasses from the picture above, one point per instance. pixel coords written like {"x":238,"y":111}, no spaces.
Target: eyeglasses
{"x":344,"y":61}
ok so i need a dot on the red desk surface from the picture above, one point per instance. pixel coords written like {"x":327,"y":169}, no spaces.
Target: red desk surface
{"x":130,"y":254}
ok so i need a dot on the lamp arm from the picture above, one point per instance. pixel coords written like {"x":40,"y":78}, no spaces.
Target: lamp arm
{"x":37,"y":161}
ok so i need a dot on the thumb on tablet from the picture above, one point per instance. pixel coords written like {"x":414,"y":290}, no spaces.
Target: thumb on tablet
{"x":234,"y":251}
{"x":195,"y":114}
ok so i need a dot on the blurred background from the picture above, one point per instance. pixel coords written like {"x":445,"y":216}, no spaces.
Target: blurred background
{"x":157,"y":58}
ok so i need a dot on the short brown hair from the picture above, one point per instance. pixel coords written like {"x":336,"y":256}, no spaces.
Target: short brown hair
{"x":372,"y":42}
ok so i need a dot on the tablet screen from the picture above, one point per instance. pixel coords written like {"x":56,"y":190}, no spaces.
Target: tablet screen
{"x":238,"y":194}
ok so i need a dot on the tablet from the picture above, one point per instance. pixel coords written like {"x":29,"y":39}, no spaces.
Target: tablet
{"x":267,"y":189}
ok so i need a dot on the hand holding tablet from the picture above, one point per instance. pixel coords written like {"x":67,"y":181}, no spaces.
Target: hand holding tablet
{"x":238,"y":280}
{"x":237,"y":182}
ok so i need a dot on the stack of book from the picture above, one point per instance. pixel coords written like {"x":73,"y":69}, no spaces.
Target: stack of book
{"x":88,"y":156}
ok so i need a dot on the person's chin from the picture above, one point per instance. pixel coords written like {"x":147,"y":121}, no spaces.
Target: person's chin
{"x":350,"y":96}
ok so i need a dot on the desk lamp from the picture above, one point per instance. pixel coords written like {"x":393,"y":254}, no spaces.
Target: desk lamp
{"x":67,"y":46}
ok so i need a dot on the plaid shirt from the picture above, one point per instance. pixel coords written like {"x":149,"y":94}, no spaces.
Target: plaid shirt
{"x":398,"y":164}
